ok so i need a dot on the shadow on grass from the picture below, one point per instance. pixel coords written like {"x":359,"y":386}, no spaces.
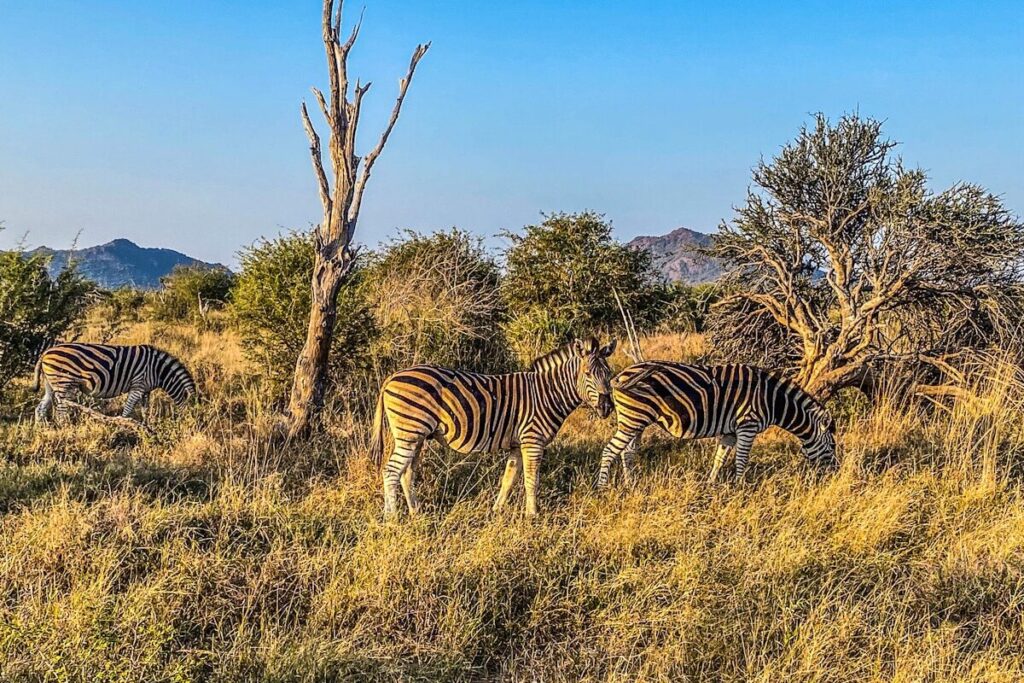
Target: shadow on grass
{"x":91,"y":478}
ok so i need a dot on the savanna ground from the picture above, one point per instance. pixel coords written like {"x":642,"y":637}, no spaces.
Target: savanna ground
{"x":209,"y":553}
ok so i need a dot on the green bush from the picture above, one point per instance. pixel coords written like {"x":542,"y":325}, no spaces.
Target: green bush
{"x":35,"y":309}
{"x":436,"y":299}
{"x":191,"y":292}
{"x":270,"y":307}
{"x":561,"y":278}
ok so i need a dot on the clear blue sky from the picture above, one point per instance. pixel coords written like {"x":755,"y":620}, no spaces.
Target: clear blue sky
{"x":176,"y":123}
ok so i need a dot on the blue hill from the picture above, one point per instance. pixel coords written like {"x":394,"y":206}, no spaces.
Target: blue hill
{"x":121,"y":263}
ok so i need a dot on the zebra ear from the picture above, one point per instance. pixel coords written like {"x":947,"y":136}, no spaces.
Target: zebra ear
{"x":609,"y":348}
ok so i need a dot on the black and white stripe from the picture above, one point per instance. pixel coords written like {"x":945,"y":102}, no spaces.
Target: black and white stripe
{"x":475,"y":413}
{"x":732,"y":402}
{"x":106,"y":371}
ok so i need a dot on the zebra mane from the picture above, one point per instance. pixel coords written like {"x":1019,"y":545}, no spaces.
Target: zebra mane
{"x":553,"y":358}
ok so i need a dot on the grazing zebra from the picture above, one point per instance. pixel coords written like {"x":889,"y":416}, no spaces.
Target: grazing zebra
{"x":732,"y":402}
{"x":476,"y":413}
{"x":107,"y":371}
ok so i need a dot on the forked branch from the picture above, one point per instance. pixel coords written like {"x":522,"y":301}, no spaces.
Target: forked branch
{"x":371,"y":158}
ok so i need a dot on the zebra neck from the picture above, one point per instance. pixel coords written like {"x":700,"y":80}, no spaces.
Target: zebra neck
{"x":557,"y":394}
{"x":800,"y":420}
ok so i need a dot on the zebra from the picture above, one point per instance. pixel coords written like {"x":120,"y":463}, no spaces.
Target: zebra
{"x":106,"y":371}
{"x":732,"y":402}
{"x":477,"y":413}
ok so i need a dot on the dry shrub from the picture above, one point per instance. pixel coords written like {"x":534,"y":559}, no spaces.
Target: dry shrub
{"x":435,"y":299}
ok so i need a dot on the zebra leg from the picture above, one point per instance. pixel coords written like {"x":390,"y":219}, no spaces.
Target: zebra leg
{"x":726,"y":444}
{"x":60,"y":407}
{"x":43,"y":409}
{"x":135,"y":396}
{"x":615,"y":448}
{"x":628,"y":458}
{"x":403,"y":455}
{"x":533,"y":454}
{"x":408,"y":480}
{"x":513,"y":468}
{"x":744,"y":441}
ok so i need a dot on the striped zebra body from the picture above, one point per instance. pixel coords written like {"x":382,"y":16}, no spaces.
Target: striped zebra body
{"x":732,"y":402}
{"x":476,"y":413}
{"x":106,"y":371}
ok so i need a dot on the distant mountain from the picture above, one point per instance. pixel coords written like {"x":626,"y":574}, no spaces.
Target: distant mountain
{"x":121,"y":263}
{"x":675,"y":256}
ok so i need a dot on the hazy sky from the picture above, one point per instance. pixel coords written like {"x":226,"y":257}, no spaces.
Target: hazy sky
{"x":176,"y":124}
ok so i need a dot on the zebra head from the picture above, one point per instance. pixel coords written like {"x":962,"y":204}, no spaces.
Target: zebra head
{"x":175,"y":379}
{"x":820,"y":447}
{"x":594,"y":381}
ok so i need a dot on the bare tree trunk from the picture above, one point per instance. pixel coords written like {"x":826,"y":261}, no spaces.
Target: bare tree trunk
{"x":341,"y":202}
{"x":311,"y":366}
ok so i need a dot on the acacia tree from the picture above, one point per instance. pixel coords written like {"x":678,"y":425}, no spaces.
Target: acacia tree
{"x":341,"y":197}
{"x":842,"y":260}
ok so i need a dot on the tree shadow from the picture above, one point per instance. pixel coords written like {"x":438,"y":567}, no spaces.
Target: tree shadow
{"x":28,"y":476}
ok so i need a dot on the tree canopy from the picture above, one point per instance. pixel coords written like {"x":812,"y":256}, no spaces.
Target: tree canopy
{"x":561,"y":278}
{"x":843,"y":259}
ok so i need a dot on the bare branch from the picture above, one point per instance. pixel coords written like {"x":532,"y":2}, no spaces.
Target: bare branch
{"x":323,"y":104}
{"x":353,"y":117}
{"x":355,"y":32}
{"x":326,"y":19}
{"x":112,"y":419}
{"x":634,"y":351}
{"x":337,"y":18}
{"x":318,"y":164}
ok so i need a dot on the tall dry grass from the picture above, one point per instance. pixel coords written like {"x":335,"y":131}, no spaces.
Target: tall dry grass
{"x":209,"y":553}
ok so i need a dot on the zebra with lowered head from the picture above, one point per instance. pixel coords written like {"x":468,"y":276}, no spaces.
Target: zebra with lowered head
{"x":106,"y":371}
{"x":475,"y":413}
{"x":732,"y":402}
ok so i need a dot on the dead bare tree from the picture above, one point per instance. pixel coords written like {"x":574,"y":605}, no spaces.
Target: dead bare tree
{"x":341,"y":197}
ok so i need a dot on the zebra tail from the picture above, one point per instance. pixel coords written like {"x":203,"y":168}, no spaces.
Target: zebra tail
{"x":379,"y":433}
{"x":36,"y":373}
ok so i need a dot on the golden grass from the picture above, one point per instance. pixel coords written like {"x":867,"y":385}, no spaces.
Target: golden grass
{"x":209,"y":553}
